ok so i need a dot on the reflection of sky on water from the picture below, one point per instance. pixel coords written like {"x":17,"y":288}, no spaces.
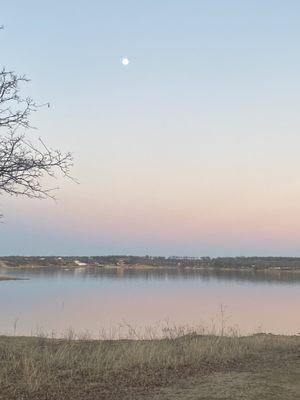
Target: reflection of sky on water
{"x":89,"y":300}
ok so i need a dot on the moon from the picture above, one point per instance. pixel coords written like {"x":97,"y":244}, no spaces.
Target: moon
{"x":125,"y":61}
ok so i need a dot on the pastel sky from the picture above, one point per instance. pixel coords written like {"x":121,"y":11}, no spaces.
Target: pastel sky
{"x":191,"y":149}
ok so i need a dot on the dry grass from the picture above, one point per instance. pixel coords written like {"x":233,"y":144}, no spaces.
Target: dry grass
{"x":39,"y":368}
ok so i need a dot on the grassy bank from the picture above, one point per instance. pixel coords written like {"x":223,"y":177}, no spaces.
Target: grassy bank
{"x":190,"y":367}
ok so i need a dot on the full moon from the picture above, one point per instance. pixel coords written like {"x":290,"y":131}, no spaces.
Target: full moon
{"x":125,"y":61}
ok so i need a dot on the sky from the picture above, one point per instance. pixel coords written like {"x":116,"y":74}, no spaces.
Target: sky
{"x":192,"y":149}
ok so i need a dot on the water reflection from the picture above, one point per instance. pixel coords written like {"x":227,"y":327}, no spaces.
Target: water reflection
{"x":96,"y":299}
{"x":268,"y":276}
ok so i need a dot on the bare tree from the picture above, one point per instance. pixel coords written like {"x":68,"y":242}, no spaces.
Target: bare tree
{"x":24,"y":163}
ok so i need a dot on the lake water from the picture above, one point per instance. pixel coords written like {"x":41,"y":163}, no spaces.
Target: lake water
{"x":88,"y":300}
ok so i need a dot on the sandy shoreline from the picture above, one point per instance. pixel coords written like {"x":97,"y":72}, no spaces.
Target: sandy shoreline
{"x":10,"y":278}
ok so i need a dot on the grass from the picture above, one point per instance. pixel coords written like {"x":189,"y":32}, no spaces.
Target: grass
{"x":177,"y":367}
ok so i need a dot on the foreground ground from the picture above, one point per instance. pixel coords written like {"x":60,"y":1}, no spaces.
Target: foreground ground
{"x":188,"y":368}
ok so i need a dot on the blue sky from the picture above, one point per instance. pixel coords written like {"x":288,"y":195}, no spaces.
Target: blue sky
{"x":192,"y":149}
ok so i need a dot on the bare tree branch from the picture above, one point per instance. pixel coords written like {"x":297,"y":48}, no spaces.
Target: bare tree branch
{"x":23,"y":164}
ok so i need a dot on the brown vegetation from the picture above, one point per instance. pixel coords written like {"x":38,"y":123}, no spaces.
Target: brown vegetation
{"x":43,"y":369}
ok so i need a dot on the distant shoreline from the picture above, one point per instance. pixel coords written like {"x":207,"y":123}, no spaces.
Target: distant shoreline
{"x":255,"y":264}
{"x":10,"y":278}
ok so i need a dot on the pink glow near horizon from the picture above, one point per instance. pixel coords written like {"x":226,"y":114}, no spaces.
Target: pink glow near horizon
{"x":215,"y":218}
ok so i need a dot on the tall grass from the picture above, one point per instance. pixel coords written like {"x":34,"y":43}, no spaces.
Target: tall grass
{"x":36,"y":365}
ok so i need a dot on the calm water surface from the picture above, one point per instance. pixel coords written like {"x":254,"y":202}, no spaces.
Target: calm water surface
{"x":94,"y":301}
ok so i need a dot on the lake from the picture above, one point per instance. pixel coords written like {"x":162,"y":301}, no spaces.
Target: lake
{"x":110,"y":300}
